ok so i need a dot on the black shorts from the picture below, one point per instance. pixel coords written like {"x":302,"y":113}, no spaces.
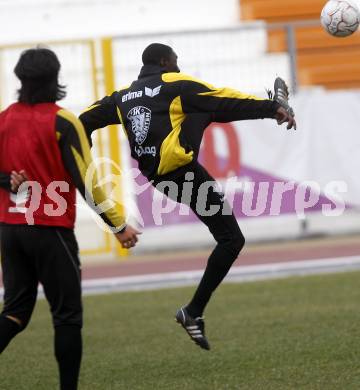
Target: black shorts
{"x":49,"y":255}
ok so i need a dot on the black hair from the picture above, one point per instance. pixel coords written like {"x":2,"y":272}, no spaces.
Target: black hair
{"x":38,"y":70}
{"x":153,"y":54}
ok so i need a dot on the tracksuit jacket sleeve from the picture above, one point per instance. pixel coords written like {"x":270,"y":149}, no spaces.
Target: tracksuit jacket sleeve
{"x":225,"y":104}
{"x":76,"y":155}
{"x":5,"y":181}
{"x":101,"y":114}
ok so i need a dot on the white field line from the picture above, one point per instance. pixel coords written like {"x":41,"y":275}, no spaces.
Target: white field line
{"x":236,"y":274}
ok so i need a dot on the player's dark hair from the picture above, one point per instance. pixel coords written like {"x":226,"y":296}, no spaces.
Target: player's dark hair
{"x":153,"y":54}
{"x":38,"y":70}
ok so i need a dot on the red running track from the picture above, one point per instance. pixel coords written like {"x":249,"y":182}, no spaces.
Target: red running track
{"x":264,"y":254}
{"x":252,"y":255}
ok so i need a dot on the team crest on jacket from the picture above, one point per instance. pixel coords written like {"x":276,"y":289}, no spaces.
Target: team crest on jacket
{"x":140,"y":118}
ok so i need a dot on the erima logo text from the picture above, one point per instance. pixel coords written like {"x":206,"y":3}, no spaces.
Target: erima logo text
{"x":131,"y":95}
{"x":152,"y":92}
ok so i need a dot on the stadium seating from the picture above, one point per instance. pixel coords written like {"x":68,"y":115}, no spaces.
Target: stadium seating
{"x":280,"y":10}
{"x":310,"y":38}
{"x":322,"y":59}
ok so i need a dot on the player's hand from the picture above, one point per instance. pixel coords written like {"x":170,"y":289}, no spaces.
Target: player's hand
{"x":16,"y":179}
{"x":128,"y":238}
{"x":283,"y":116}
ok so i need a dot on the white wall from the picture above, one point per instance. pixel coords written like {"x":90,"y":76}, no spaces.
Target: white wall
{"x":39,"y":20}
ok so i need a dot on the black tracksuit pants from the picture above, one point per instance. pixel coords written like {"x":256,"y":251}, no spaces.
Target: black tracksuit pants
{"x":49,"y":255}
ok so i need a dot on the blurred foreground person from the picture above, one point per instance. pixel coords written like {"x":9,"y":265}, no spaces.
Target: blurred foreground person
{"x":165,"y":113}
{"x":46,"y":145}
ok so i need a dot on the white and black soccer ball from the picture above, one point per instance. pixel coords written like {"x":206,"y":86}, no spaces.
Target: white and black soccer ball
{"x":340,"y":18}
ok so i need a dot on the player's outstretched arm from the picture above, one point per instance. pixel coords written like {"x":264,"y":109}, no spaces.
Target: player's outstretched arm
{"x":225,"y":104}
{"x":229,"y":105}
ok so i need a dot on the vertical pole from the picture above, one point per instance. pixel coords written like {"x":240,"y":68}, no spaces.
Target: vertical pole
{"x":94,"y":69}
{"x":114,"y":144}
{"x":99,"y":141}
{"x":292,"y":50}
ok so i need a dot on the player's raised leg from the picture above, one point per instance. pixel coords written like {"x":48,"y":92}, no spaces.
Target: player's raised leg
{"x":230,"y":240}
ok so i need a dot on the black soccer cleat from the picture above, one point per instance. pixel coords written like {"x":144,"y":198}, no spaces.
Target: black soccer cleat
{"x":195,"y":327}
{"x":281,"y":95}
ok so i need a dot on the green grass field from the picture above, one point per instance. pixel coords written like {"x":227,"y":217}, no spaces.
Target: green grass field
{"x":298,"y":333}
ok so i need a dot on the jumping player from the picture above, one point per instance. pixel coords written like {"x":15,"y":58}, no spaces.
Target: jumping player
{"x":165,"y":113}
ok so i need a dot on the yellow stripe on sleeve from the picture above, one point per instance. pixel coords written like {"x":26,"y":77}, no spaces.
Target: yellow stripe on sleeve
{"x":121,"y":120}
{"x":229,"y":93}
{"x":90,"y":108}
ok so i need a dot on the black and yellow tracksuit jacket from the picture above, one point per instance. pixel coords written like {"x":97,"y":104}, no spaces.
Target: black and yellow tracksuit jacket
{"x":165,"y":114}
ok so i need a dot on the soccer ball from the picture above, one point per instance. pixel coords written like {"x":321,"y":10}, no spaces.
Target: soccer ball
{"x":340,"y":18}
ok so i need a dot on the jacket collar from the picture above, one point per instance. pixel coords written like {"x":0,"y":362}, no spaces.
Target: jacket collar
{"x":150,"y":70}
